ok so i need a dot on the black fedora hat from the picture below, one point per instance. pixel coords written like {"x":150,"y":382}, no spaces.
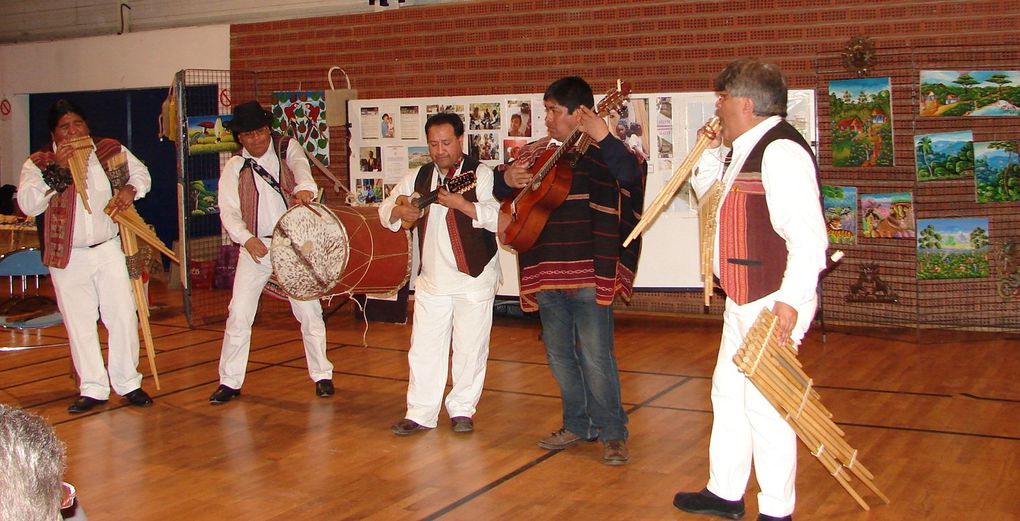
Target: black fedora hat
{"x":249,"y":116}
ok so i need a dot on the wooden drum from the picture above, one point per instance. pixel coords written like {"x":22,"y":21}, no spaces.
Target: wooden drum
{"x":319,"y":252}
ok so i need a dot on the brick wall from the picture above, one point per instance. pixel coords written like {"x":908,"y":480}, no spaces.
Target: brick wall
{"x":494,"y":47}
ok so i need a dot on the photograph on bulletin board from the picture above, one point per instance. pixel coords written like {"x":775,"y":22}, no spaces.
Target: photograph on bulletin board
{"x":369,"y":190}
{"x":484,"y":116}
{"x":371,"y":159}
{"x":520,"y":119}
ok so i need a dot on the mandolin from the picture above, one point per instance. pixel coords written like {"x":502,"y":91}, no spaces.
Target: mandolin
{"x":457,"y":185}
{"x":523,"y":216}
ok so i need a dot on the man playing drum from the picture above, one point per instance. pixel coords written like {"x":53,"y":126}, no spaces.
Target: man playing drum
{"x":456,"y":286}
{"x":254,"y":190}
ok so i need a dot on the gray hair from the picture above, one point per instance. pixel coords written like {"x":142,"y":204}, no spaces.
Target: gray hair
{"x":32,"y":462}
{"x":760,"y":81}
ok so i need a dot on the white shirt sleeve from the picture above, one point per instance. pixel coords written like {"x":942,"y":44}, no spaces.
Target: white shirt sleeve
{"x":791,"y":191}
{"x":229,"y":201}
{"x":404,"y":187}
{"x":138,"y":174}
{"x":708,"y":171}
{"x":298,"y":163}
{"x":32,"y":196}
{"x":487,"y":207}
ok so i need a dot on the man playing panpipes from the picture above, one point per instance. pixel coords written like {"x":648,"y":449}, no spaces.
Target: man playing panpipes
{"x":83,"y":252}
{"x":254,"y":190}
{"x":769,"y":248}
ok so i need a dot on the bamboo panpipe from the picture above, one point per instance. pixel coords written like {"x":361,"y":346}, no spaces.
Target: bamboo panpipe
{"x":680,"y":175}
{"x":774,"y":369}
{"x":130,"y":220}
{"x":78,"y":163}
{"x":707,"y":226}
{"x":129,"y":243}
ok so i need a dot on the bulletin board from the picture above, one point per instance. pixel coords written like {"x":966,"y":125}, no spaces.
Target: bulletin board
{"x":388,"y":143}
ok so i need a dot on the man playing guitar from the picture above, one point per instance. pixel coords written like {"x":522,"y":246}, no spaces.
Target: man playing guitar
{"x":576,"y":266}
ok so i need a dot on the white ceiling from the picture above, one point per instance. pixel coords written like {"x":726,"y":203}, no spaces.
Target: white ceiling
{"x":36,"y":20}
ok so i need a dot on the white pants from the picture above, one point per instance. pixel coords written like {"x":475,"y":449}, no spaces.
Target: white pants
{"x":95,"y":285}
{"x":746,"y":428}
{"x":249,"y":279}
{"x":467,"y":318}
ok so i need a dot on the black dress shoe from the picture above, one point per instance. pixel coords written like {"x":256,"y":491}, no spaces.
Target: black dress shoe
{"x":705,"y":502}
{"x":763,"y":517}
{"x":83,"y":404}
{"x":324,"y":388}
{"x":138,"y":398}
{"x":223,"y":394}
{"x":407,"y":427}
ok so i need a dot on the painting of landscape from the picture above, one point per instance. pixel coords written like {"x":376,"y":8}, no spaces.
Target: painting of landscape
{"x":861,"y":112}
{"x":997,"y":171}
{"x":952,"y":249}
{"x":946,"y":155}
{"x":840,"y":206}
{"x":969,"y":93}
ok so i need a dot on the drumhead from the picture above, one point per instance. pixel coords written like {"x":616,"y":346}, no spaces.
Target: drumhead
{"x":309,"y":252}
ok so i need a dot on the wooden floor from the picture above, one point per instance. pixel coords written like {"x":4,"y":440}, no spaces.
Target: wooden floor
{"x":937,"y":424}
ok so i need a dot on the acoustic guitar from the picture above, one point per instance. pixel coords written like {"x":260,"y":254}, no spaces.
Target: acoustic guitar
{"x":457,"y":185}
{"x":523,"y":216}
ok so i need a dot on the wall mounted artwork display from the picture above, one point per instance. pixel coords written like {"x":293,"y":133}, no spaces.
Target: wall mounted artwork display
{"x":840,"y":206}
{"x":969,"y":93}
{"x":521,"y":118}
{"x":302,"y":115}
{"x":417,"y":157}
{"x":208,"y":135}
{"x":997,"y":171}
{"x":887,"y":216}
{"x":203,"y":197}
{"x":952,"y":249}
{"x":861,"y":113}
{"x":946,"y":155}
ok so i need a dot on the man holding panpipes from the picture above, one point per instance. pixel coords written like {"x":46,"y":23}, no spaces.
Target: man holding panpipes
{"x":767,"y":251}
{"x":83,"y":252}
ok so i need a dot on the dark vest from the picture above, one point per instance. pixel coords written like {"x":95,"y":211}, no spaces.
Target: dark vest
{"x":478,"y":244}
{"x":752,"y":255}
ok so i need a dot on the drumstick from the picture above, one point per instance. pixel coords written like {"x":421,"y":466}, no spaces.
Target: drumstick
{"x":310,"y":209}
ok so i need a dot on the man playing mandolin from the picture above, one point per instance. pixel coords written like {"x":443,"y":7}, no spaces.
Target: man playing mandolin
{"x":576,"y":265}
{"x":456,"y":286}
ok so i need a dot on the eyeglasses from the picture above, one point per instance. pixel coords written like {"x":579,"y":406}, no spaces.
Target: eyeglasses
{"x":69,"y":494}
{"x":264,"y":131}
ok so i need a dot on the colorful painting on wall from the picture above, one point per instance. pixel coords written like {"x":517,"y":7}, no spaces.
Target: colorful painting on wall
{"x":997,"y":171}
{"x":946,"y":155}
{"x":203,"y":197}
{"x":302,"y":115}
{"x":861,"y":112}
{"x":969,"y":93}
{"x":209,"y":135}
{"x":887,"y":216}
{"x":952,"y":249}
{"x":840,"y":205}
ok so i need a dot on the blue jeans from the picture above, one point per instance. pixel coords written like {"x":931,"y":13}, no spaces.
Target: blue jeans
{"x":578,"y":336}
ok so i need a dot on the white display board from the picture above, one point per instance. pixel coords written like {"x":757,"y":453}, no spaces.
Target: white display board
{"x":388,"y":142}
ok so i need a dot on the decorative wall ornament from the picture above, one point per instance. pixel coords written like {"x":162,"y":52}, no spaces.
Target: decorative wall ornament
{"x":870,"y":287}
{"x":1009,"y":270}
{"x":859,"y":55}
